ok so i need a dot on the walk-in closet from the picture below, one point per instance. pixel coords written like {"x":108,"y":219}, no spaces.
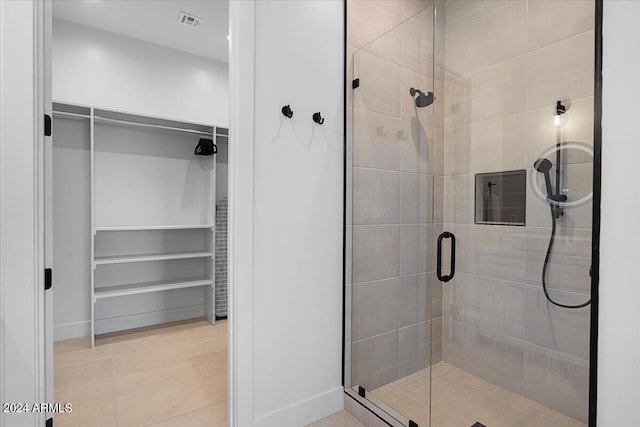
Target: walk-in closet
{"x":148,"y":187}
{"x":139,"y":211}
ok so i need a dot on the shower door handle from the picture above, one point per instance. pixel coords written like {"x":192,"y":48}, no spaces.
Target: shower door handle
{"x":452,"y":272}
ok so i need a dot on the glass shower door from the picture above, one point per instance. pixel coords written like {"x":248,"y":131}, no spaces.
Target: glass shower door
{"x":392,"y":165}
{"x":469,"y":182}
{"x":517,"y":185}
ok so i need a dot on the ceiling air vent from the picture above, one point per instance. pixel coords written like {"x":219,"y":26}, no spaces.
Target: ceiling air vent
{"x":189,"y":20}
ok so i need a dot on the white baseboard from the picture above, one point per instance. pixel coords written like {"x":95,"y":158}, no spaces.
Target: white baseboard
{"x":304,"y":412}
{"x":67,"y":331}
{"x":147,"y":319}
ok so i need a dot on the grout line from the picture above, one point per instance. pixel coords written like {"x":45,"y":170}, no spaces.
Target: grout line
{"x":353,"y":342}
{"x":522,"y":283}
{"x":426,"y":273}
{"x":456,"y":76}
{"x":369,"y":168}
{"x":563,"y":40}
{"x":185,"y":413}
{"x":399,"y":118}
{"x":86,"y":362}
{"x":527,"y":111}
{"x":473,"y":21}
{"x":392,"y":62}
{"x":519,"y":340}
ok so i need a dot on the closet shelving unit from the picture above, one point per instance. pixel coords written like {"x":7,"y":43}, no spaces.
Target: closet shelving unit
{"x":152,"y":202}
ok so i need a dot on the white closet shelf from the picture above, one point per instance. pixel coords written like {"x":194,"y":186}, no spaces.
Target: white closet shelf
{"x":153,"y":227}
{"x":122,"y":259}
{"x":143,"y":288}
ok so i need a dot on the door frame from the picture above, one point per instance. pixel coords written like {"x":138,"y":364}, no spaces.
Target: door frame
{"x":242,"y":28}
{"x":595,"y":217}
{"x":23,"y":332}
{"x":24,"y":87}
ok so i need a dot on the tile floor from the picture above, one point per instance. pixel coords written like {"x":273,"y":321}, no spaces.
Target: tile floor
{"x":175,"y":375}
{"x":461,"y":399}
{"x":339,"y":419}
{"x":168,"y":375}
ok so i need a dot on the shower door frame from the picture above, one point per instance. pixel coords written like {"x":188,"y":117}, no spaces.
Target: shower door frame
{"x":595,"y":234}
{"x":595,"y":227}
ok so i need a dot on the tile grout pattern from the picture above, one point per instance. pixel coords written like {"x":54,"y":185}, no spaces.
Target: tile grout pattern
{"x":399,"y":321}
{"x":461,"y":399}
{"x":497,"y":324}
{"x":495,"y":321}
{"x":168,"y":375}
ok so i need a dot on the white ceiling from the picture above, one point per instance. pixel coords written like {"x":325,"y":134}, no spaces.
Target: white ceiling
{"x":155,"y":21}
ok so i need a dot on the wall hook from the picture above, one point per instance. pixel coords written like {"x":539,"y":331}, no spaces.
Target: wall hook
{"x":381,"y":131}
{"x":318,"y":118}
{"x":287,"y":111}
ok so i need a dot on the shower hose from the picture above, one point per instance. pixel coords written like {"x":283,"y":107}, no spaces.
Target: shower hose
{"x":546,"y":263}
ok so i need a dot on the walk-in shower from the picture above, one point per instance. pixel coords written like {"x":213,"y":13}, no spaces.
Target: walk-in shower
{"x":466,"y":301}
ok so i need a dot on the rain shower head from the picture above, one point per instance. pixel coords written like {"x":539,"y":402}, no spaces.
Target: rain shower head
{"x":423,"y":99}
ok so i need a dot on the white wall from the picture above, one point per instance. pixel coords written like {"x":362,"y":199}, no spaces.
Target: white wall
{"x":103,"y":69}
{"x":294,"y":293}
{"x":619,"y":331}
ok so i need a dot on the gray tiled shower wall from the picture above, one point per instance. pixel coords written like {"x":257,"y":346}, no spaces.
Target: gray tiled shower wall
{"x":392,"y":286}
{"x":506,"y":63}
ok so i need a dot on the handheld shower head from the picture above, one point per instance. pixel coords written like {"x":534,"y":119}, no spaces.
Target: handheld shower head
{"x":423,"y":99}
{"x":544,"y":166}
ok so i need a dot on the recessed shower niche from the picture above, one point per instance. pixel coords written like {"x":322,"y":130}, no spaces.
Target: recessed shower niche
{"x":501,"y":198}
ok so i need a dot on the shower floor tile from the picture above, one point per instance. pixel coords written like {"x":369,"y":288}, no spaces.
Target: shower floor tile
{"x":461,"y":399}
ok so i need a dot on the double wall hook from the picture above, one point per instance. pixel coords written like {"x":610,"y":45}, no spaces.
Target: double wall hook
{"x":318,"y":118}
{"x":287,"y":111}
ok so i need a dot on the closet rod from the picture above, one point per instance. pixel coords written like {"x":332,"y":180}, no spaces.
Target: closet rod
{"x":199,"y":132}
{"x":65,"y":113}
